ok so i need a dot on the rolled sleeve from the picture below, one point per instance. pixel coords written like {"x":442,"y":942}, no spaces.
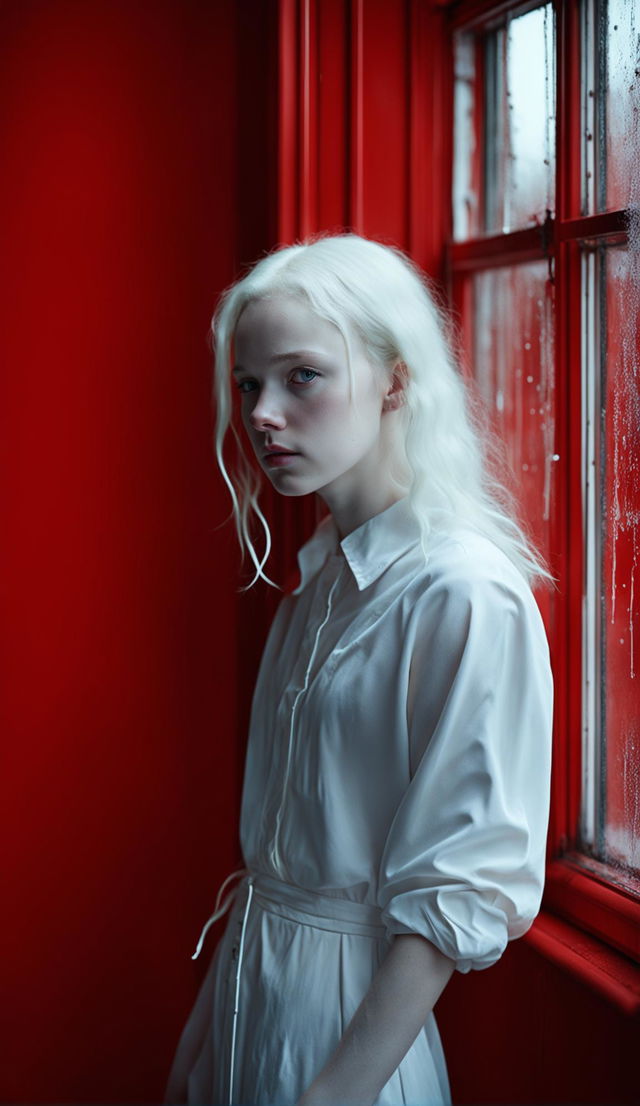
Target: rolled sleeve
{"x":464,"y":859}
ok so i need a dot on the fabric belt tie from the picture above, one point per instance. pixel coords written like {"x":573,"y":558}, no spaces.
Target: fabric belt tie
{"x":218,"y":909}
{"x":336,"y":914}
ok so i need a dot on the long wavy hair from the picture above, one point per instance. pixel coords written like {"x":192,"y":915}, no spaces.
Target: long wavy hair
{"x":378,"y":292}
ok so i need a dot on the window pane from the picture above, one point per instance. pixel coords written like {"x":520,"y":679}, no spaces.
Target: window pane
{"x":466,"y":155}
{"x":514,"y":185}
{"x":611,"y":807}
{"x":611,"y":108}
{"x":513,"y":358}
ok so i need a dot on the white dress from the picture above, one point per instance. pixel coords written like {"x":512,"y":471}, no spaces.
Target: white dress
{"x":397,"y":781}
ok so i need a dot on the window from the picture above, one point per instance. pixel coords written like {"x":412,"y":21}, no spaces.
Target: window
{"x":545,"y":275}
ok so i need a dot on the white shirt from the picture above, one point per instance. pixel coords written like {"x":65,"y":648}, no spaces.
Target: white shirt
{"x":400,"y":740}
{"x":397,"y":781}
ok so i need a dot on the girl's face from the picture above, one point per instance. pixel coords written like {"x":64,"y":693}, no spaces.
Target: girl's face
{"x":308,"y":435}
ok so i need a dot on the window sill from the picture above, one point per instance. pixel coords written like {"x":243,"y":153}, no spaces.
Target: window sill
{"x":585,"y":958}
{"x":585,"y":899}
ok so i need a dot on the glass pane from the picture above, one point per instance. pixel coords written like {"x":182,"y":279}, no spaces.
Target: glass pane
{"x":466,"y":153}
{"x":612,"y":104}
{"x":612,"y":828}
{"x":504,"y":125}
{"x":520,"y":121}
{"x":513,"y":359}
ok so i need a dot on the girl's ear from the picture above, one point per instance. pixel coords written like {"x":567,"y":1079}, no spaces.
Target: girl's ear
{"x":394,"y":396}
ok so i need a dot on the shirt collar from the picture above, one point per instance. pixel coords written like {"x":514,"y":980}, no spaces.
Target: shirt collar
{"x":368,"y":550}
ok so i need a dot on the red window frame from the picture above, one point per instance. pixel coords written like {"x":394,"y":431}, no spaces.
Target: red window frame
{"x":577,"y":892}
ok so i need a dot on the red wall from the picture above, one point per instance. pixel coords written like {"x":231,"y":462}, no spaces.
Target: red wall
{"x":120,"y":765}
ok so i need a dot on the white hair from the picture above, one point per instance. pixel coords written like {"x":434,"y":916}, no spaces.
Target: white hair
{"x":377,"y":291}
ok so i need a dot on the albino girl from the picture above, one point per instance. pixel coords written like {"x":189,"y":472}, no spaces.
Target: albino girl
{"x":396,"y":793}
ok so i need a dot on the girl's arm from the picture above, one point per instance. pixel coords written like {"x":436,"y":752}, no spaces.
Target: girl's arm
{"x":404,"y":990}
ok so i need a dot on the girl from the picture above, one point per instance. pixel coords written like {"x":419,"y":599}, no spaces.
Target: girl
{"x":396,"y":794}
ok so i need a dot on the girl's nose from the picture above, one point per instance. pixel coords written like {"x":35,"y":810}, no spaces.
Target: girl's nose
{"x":266,"y":415}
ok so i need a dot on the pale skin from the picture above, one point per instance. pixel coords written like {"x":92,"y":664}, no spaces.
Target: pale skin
{"x":344,"y":449}
{"x":402,"y":994}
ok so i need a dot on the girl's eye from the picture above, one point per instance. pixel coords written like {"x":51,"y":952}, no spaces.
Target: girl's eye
{"x":246,"y":385}
{"x":305,"y":376}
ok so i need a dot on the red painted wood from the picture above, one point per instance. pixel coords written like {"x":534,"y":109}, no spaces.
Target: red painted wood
{"x":421,"y":88}
{"x":609,"y":224}
{"x":287,"y":135}
{"x":567,"y":645}
{"x":382,"y":30}
{"x":573,"y":584}
{"x":568,"y":99}
{"x":586,"y":897}
{"x":429,"y":96}
{"x":563,"y":637}
{"x":308,"y":106}
{"x":333,"y":117}
{"x":610,"y":975}
{"x":497,"y":249}
{"x":478,"y":13}
{"x":356,"y":116}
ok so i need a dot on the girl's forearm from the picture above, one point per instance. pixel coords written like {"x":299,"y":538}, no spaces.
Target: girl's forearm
{"x":403,"y":992}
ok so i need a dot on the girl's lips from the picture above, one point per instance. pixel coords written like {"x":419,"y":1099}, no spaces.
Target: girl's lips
{"x":275,"y":460}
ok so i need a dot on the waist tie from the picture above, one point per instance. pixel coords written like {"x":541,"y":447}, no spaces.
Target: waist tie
{"x":336,"y":914}
{"x":218,"y":911}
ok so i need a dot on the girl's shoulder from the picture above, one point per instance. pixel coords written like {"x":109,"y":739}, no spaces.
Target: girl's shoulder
{"x":471,"y":592}
{"x":465,"y":566}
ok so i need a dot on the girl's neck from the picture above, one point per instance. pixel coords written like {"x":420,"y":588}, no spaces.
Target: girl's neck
{"x":349,"y":513}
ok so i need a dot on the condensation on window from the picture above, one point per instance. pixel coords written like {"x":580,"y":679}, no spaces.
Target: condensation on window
{"x":504,"y":125}
{"x":514,"y":368}
{"x":610,"y":104}
{"x":466,"y":200}
{"x":520,"y":121}
{"x":619,"y":104}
